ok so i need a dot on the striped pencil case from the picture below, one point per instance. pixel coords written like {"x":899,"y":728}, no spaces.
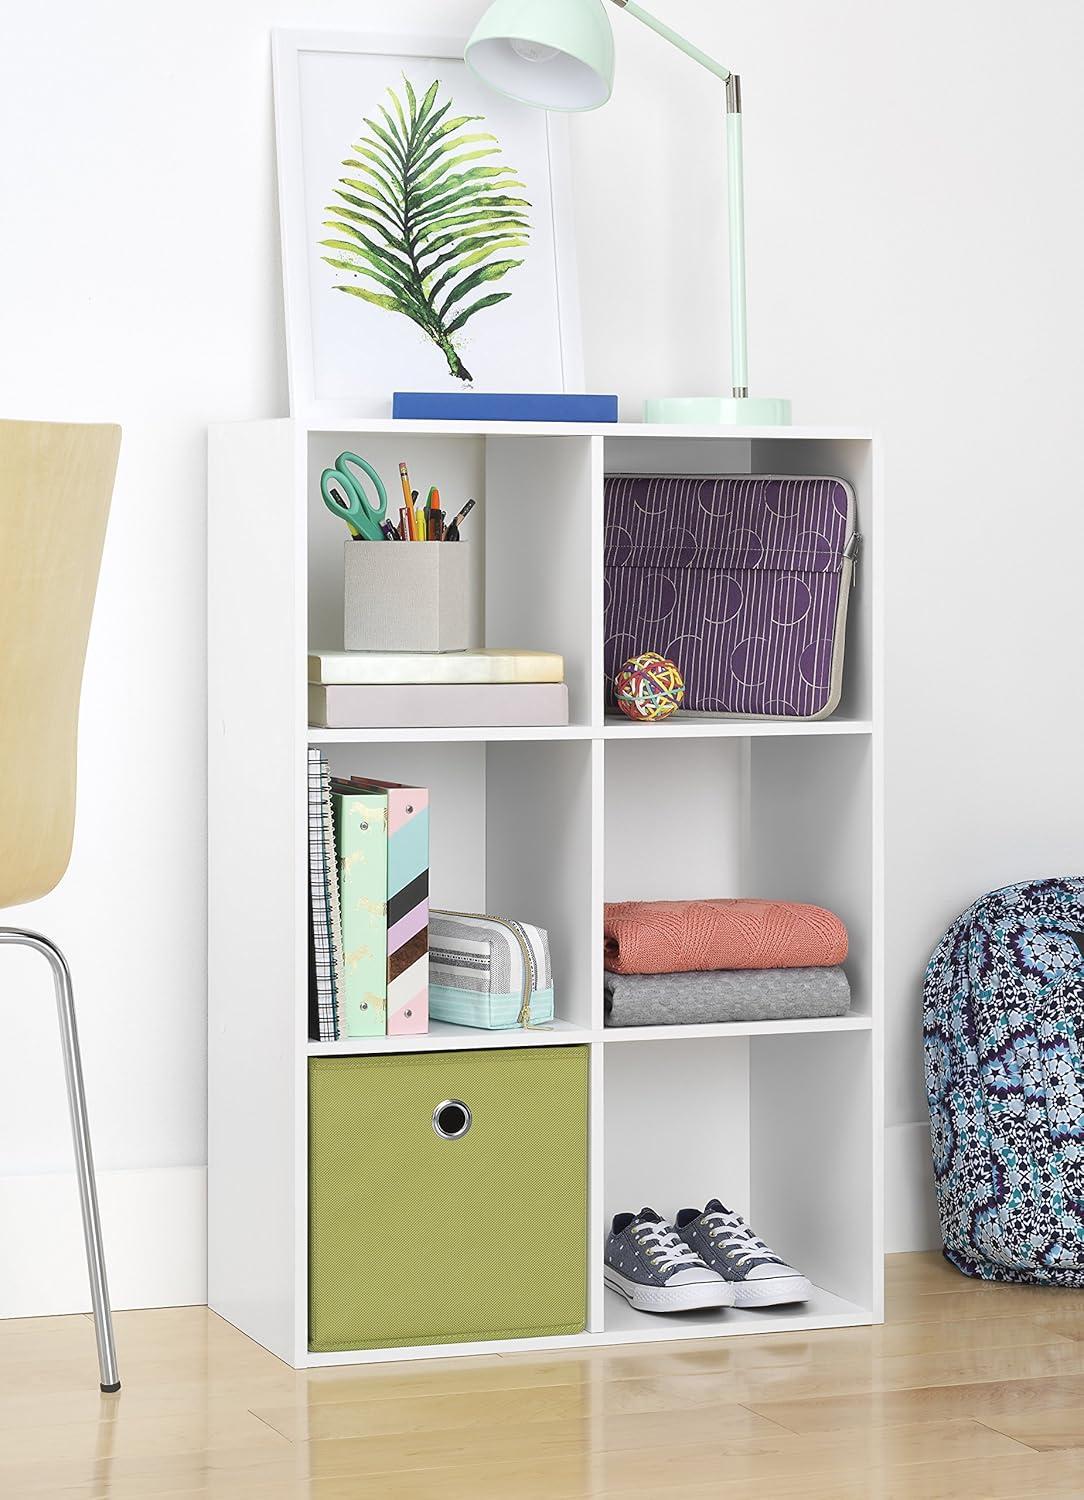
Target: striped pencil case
{"x":488,"y":971}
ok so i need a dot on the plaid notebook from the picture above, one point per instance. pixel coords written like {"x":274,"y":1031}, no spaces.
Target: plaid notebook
{"x":325,"y":932}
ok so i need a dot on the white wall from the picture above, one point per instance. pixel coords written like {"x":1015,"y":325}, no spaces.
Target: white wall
{"x":916,"y":233}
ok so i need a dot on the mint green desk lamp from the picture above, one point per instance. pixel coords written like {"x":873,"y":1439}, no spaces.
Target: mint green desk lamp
{"x":559,"y":54}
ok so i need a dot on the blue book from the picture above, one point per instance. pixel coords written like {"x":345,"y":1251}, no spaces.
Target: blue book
{"x":480,"y":406}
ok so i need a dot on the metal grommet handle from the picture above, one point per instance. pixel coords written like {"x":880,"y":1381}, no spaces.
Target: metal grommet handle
{"x":452,"y":1119}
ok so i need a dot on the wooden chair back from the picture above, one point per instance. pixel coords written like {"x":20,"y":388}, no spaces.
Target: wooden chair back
{"x":56,"y":484}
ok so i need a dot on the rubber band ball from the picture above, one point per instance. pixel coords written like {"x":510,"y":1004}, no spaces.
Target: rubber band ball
{"x":649,"y":687}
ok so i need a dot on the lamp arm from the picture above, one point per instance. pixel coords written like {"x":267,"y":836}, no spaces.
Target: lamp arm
{"x":739,"y":342}
{"x":674,"y":37}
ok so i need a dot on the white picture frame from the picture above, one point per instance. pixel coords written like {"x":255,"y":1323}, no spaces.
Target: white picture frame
{"x":341,"y":348}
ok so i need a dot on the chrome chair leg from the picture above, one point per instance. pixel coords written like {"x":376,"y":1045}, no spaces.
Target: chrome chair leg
{"x":84,"y":1161}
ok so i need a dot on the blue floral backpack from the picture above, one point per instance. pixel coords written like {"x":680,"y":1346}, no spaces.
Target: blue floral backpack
{"x":1003,"y":1031}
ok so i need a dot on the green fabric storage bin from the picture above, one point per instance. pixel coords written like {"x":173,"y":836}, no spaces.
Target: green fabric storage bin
{"x":423,"y":1233}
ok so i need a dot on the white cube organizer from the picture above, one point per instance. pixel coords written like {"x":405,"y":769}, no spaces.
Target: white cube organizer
{"x":783,"y":1119}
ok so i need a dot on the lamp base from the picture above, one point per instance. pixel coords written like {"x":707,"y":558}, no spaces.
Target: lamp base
{"x":719,"y":411}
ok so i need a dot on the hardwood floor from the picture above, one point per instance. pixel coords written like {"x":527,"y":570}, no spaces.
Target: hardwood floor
{"x":969,"y":1390}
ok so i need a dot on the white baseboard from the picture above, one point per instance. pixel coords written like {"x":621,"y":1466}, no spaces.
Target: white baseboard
{"x":154,"y":1225}
{"x":910,"y":1209}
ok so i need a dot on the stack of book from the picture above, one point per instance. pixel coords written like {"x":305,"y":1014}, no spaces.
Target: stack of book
{"x":440,"y":690}
{"x":369,"y":911}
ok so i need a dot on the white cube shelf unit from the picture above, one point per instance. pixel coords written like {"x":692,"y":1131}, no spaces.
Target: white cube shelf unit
{"x":781,"y":1119}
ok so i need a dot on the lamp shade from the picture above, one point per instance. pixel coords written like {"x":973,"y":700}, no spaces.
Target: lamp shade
{"x":556,"y":54}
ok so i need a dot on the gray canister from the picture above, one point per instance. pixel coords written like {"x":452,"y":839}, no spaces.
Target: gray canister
{"x":411,"y":596}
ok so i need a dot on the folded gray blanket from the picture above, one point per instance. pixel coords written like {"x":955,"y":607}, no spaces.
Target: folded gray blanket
{"x":725,"y":995}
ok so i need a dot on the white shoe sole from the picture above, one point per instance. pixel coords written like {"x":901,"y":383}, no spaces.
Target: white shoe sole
{"x":774,"y":1291}
{"x":664,"y":1299}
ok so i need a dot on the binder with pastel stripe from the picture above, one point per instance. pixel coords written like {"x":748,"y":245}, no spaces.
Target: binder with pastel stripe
{"x":408,"y":906}
{"x":361,"y":831}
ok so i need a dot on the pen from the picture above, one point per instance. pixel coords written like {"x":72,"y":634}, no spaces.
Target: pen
{"x":452,"y":534}
{"x":432,"y":506}
{"x":406,"y":528}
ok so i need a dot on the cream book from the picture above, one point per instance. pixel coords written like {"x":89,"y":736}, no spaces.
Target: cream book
{"x":377,"y":668}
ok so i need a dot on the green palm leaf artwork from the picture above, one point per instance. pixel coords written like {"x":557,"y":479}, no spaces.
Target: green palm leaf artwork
{"x":426,"y":218}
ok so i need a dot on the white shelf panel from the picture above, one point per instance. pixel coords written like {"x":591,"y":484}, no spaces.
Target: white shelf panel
{"x":719,"y":726}
{"x":682,"y":727}
{"x":449,"y":1351}
{"x":626,"y":1326}
{"x":736,"y":1029}
{"x":823,"y":1310}
{"x":444,"y":1037}
{"x":389,"y":425}
{"x":473,"y":733}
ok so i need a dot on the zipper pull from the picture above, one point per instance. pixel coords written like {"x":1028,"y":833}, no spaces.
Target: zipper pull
{"x":851,"y":552}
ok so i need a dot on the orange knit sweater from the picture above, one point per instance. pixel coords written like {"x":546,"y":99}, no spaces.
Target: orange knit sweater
{"x":668,"y":937}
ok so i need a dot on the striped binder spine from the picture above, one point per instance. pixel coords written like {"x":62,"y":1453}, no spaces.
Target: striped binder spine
{"x":408,"y":911}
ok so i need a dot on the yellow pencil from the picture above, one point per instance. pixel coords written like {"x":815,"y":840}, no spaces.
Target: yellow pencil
{"x":405,"y":477}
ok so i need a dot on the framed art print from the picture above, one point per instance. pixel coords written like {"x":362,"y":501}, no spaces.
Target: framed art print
{"x":426,"y":227}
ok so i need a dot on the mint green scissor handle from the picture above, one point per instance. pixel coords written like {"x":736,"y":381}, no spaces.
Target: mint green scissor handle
{"x":345,"y":497}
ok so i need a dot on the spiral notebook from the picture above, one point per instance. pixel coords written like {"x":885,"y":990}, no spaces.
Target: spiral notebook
{"x":325,"y":934}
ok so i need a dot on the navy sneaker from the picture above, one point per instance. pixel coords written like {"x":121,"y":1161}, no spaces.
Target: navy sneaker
{"x":655,"y":1270}
{"x":756,"y":1275}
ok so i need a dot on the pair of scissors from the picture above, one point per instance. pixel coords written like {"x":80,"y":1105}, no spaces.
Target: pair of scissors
{"x":344,"y":495}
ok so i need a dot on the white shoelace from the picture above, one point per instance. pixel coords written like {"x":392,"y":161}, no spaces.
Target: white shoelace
{"x":735,"y":1236}
{"x":663,"y":1248}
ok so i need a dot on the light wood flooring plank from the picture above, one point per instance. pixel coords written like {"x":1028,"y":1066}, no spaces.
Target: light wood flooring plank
{"x":985,"y":1402}
{"x":1060,"y":1427}
{"x":971,"y":1390}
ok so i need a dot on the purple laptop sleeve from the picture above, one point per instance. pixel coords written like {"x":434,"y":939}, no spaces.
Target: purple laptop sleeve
{"x":742,"y":580}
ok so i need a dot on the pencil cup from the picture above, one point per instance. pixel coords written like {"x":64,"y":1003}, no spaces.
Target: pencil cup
{"x":411,"y":596}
